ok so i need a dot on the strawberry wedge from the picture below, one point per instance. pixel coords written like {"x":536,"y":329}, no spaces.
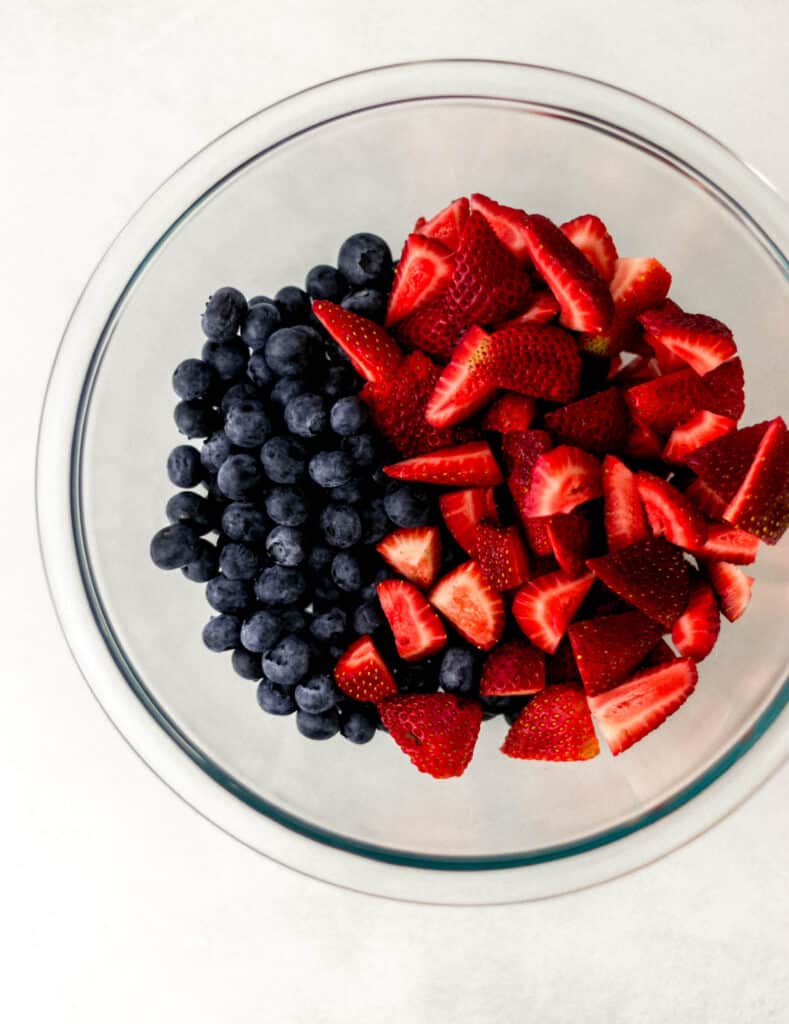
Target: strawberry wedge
{"x":562,"y":479}
{"x":362,"y":674}
{"x":469,"y":464}
{"x":414,"y":552}
{"x":423,"y":272}
{"x":446,"y":226}
{"x":545,"y":607}
{"x":625,"y":521}
{"x":554,"y":726}
{"x":373,"y":354}
{"x":417,"y":630}
{"x":698,"y":340}
{"x":590,"y":235}
{"x":462,"y":510}
{"x":467,"y":600}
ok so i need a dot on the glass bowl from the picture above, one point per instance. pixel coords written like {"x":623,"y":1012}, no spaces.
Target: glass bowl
{"x":256,"y":208}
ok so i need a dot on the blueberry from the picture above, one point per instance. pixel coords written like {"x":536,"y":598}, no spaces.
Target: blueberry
{"x":224,"y":313}
{"x":287,"y":506}
{"x":417,"y":679}
{"x":288,"y":662}
{"x":184,"y":467}
{"x":261,"y":631}
{"x":318,"y":727}
{"x":246,"y":423}
{"x":262,"y":320}
{"x":274,"y":700}
{"x":229,"y":596}
{"x":285,"y":389}
{"x":316,"y":695}
{"x":319,"y":560}
{"x":362,"y":449}
{"x":193,"y":378}
{"x":290,"y":349}
{"x":243,"y":521}
{"x":346,"y":572}
{"x":293,"y":305}
{"x":191,"y":508}
{"x":239,"y":476}
{"x":278,"y":585}
{"x":341,"y":526}
{"x":325,"y":282}
{"x":330,"y":469}
{"x":285,"y":546}
{"x":348,"y":416}
{"x":324,"y":594}
{"x":194,"y":419}
{"x":222,"y":632}
{"x":367,"y":302}
{"x":204,"y":565}
{"x":329,"y":626}
{"x":293,"y":620}
{"x":407,"y":505}
{"x":367,"y":618}
{"x":238,"y":562}
{"x":457,"y":671}
{"x":228,"y":358}
{"x":365,"y":260}
{"x":174,"y":546}
{"x":215,"y":450}
{"x":340,"y":380}
{"x":283,"y":460}
{"x":247,"y":664}
{"x":257,"y":299}
{"x":375,"y":522}
{"x":259,"y":371}
{"x":350,"y":494}
{"x":305,"y":415}
{"x":492,"y":706}
{"x":357,"y":727}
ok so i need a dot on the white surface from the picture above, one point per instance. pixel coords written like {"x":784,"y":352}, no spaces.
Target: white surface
{"x":117,"y":902}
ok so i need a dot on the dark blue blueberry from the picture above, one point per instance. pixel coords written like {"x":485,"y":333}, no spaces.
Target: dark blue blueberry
{"x":375,"y":522}
{"x":194,"y":419}
{"x":215,"y":450}
{"x":318,"y":727}
{"x":191,"y":508}
{"x":229,"y":596}
{"x":340,"y":380}
{"x":184,"y":467}
{"x":239,"y":476}
{"x":330,"y":469}
{"x":319,"y":560}
{"x":261,"y":631}
{"x":341,"y":526}
{"x":237,"y":392}
{"x":325,"y":282}
{"x":346,"y":572}
{"x":204,"y":565}
{"x":365,"y":261}
{"x":174,"y":546}
{"x":324,"y":594}
{"x":367,"y":302}
{"x":293,"y":620}
{"x":274,"y":700}
{"x":357,"y":727}
{"x":416,"y":679}
{"x":193,"y":378}
{"x":316,"y":694}
{"x":242,"y":521}
{"x":290,"y":350}
{"x":348,"y":416}
{"x":238,"y":562}
{"x":287,"y":506}
{"x":305,"y":415}
{"x":212,"y":491}
{"x":284,"y":460}
{"x":246,"y":423}
{"x":258,"y":370}
{"x":278,"y":585}
{"x":222,"y":632}
{"x":288,"y":662}
{"x":262,"y":320}
{"x":285,"y":546}
{"x":257,"y":299}
{"x":285,"y":389}
{"x":224,"y":314}
{"x":247,"y":664}
{"x":328,"y":626}
{"x":349,"y":494}
{"x":293,"y":305}
{"x":458,"y":671}
{"x":493,"y":706}
{"x":408,"y":505}
{"x":228,"y":358}
{"x":362,"y":449}
{"x":368,"y":617}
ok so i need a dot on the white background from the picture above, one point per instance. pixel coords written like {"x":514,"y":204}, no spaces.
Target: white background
{"x":117,"y":902}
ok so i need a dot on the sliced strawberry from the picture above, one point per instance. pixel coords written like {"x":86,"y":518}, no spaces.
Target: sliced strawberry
{"x":362,"y":674}
{"x":705,"y":498}
{"x":538,"y":538}
{"x":666,"y":401}
{"x":560,"y":667}
{"x":598,"y":423}
{"x":698,"y":340}
{"x":513,"y":669}
{"x":510,"y":412}
{"x":447,"y":225}
{"x":702,"y":428}
{"x":632,"y":710}
{"x":469,"y":464}
{"x":724,"y":464}
{"x":661,"y":654}
{"x":521,"y":450}
{"x":590,"y":235}
{"x":462,"y":510}
{"x":728,"y":544}
{"x":723,"y":390}
{"x":569,"y":534}
{"x":638,"y":284}
{"x":373,"y":354}
{"x":670,"y":513}
{"x":666,"y":360}
{"x":414,"y":552}
{"x":562,"y":479}
{"x":554,"y":726}
{"x":651,"y":576}
{"x":433,"y":328}
{"x":761,"y":504}
{"x":542,"y":309}
{"x":476,"y":611}
{"x":625,"y":521}
{"x":696,"y":630}
{"x":508,"y":223}
{"x":732,"y":586}
{"x":417,"y":630}
{"x":438,"y":731}
{"x":467,"y":383}
{"x":609,"y":647}
{"x":423,"y":272}
{"x":625,"y":369}
{"x":642,"y":441}
{"x":545,"y":607}
{"x":501,"y":555}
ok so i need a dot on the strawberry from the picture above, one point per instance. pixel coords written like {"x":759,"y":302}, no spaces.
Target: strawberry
{"x":598,"y":423}
{"x":634,"y":708}
{"x":508,"y":223}
{"x":625,"y":521}
{"x":416,"y":628}
{"x":467,"y":383}
{"x":447,"y":225}
{"x":462,"y":510}
{"x":723,"y":464}
{"x":562,"y":479}
{"x":651,"y":576}
{"x":513,"y":669}
{"x":583,"y":296}
{"x":642,"y":442}
{"x":521,"y":450}
{"x":761,"y":504}
{"x":698,"y":340}
{"x":702,"y":428}
{"x":433,"y":328}
{"x":554,"y":726}
{"x":696,"y":630}
{"x":373,"y":354}
{"x":661,"y":654}
{"x":670,"y":513}
{"x":438,"y":731}
{"x":723,"y":390}
{"x":466,"y":598}
{"x":728,"y":544}
{"x":414,"y":552}
{"x":705,"y":498}
{"x":469,"y":464}
{"x":560,"y":667}
{"x":542,"y":309}
{"x":609,"y":647}
{"x":638,"y":284}
{"x":667,"y":361}
{"x":510,"y":412}
{"x":501,"y":555}
{"x":361,"y":673}
{"x":732,"y":586}
{"x":544,"y":607}
{"x":625,"y":369}
{"x":666,"y":401}
{"x":590,"y":235}
{"x":423,"y":272}
{"x":569,"y":534}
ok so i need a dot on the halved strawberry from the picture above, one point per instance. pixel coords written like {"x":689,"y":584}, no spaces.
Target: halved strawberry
{"x":433,"y":328}
{"x":696,"y":630}
{"x":417,"y":630}
{"x":466,"y":598}
{"x":633,"y":709}
{"x":598,"y":423}
{"x":705,"y":498}
{"x":362,"y":674}
{"x":423,"y":272}
{"x":700,"y":341}
{"x":723,"y":390}
{"x":729,"y":544}
{"x":501,"y":555}
{"x":466,"y":464}
{"x":638,"y":284}
{"x":438,"y":731}
{"x":560,"y":667}
{"x":607,"y":648}
{"x":732,"y":586}
{"x":373,"y":354}
{"x":702,"y":428}
{"x":724,"y":464}
{"x":664,"y":402}
{"x":651,"y":576}
{"x":467,"y":383}
{"x":510,"y":412}
{"x":569,"y":534}
{"x":542,"y":309}
{"x":447,"y":225}
{"x":507,"y":221}
{"x":554,"y":726}
{"x":562,"y":479}
{"x":666,"y":360}
{"x":462,"y":510}
{"x":414,"y":552}
{"x":642,"y":441}
{"x":670,"y":513}
{"x":513,"y":669}
{"x":625,"y":521}
{"x":545,"y":607}
{"x":761,"y":504}
{"x":521,"y":450}
{"x":590,"y":235}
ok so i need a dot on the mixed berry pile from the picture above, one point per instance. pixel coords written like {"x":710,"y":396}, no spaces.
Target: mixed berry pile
{"x":491,"y":479}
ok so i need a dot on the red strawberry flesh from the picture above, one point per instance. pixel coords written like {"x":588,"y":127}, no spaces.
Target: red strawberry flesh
{"x":417,"y":630}
{"x":508,"y":223}
{"x":545,"y":606}
{"x":362,"y":674}
{"x":609,"y":647}
{"x":462,"y":510}
{"x":423,"y":272}
{"x":373,"y":354}
{"x":554,"y":726}
{"x":698,"y":340}
{"x":732,"y":586}
{"x":468,"y":601}
{"x":625,"y":521}
{"x":414,"y":552}
{"x":469,"y":464}
{"x":670,"y":513}
{"x":438,"y":731}
{"x":590,"y":235}
{"x":695,"y":632}
{"x":447,"y":224}
{"x":562,"y":479}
